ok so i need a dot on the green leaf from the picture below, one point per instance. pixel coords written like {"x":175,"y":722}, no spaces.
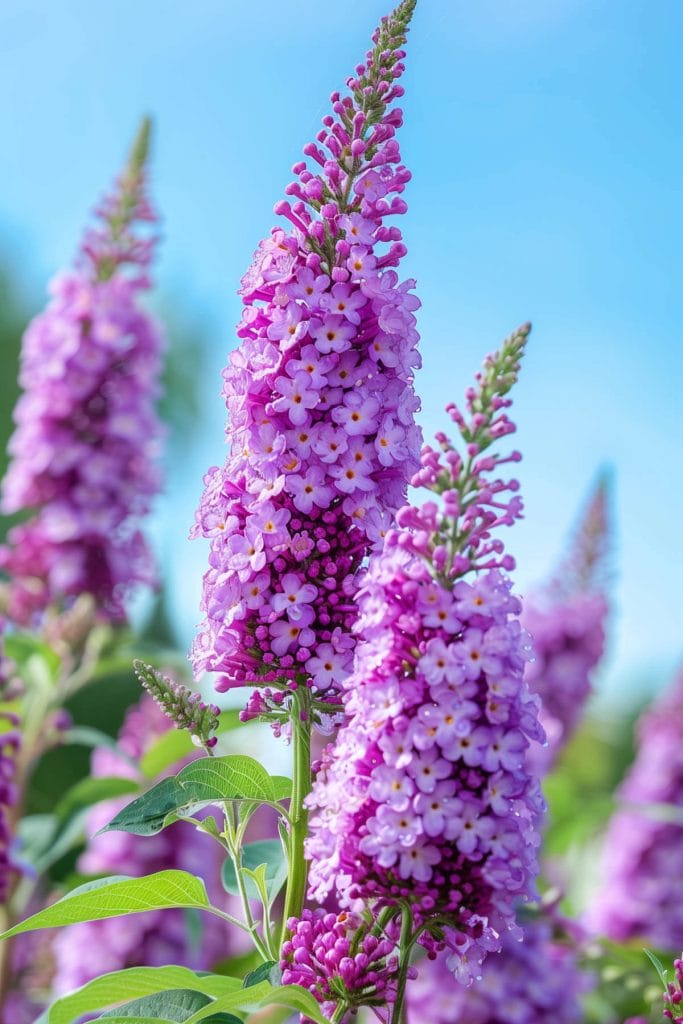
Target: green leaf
{"x":206,"y":781}
{"x":175,"y":1005}
{"x":226,"y":778}
{"x":116,"y":897}
{"x":151,"y":811}
{"x":263,"y":994}
{"x":266,"y":853}
{"x":264,"y":972}
{"x":135,"y":982}
{"x":658,"y":966}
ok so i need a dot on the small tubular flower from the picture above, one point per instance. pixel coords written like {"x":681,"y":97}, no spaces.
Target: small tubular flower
{"x":566,"y":620}
{"x":425,"y":797}
{"x":641,"y":894}
{"x":321,"y":404}
{"x":87,"y":435}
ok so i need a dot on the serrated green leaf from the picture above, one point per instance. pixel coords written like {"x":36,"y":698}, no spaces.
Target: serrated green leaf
{"x":117,"y":897}
{"x":136,"y":982}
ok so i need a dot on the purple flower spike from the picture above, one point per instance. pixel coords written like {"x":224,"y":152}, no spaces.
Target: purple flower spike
{"x":425,"y":796}
{"x":566,"y":620}
{"x":321,"y":404}
{"x":87,"y":434}
{"x":642,"y":887}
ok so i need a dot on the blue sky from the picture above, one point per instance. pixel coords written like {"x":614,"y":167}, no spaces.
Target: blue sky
{"x":545,"y":144}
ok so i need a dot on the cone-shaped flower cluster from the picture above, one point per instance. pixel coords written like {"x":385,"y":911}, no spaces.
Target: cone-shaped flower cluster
{"x":320,"y":400}
{"x":323,"y":956}
{"x":87,"y":433}
{"x":425,"y":796}
{"x":529,"y":982}
{"x":159,"y":937}
{"x":642,"y":888}
{"x":566,"y":620}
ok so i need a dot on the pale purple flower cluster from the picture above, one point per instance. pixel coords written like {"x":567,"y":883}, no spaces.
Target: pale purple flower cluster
{"x":322,"y":956}
{"x":566,"y":620}
{"x":159,"y":937}
{"x":10,"y":741}
{"x":86,"y":438}
{"x":642,"y":886}
{"x":529,"y":982}
{"x":425,"y":796}
{"x":320,"y":400}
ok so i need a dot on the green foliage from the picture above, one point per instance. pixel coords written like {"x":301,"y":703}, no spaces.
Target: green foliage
{"x":118,"y":896}
{"x":139,"y":983}
{"x":207,"y":781}
{"x":265,"y":867}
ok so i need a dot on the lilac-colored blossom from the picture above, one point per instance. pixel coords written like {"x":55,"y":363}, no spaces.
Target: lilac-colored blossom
{"x":566,"y":620}
{"x":423,"y":798}
{"x":321,"y":406}
{"x":641,"y":892}
{"x":86,"y":440}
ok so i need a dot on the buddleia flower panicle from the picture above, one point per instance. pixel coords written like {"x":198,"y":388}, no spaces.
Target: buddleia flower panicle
{"x":184,"y":708}
{"x":641,"y":891}
{"x":321,"y":432}
{"x":86,"y":441}
{"x":567,"y":619}
{"x":161,"y":936}
{"x":425,"y":796}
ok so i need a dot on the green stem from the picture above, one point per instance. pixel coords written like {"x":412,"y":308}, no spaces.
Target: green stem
{"x":301,"y":787}
{"x":398,"y":1015}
